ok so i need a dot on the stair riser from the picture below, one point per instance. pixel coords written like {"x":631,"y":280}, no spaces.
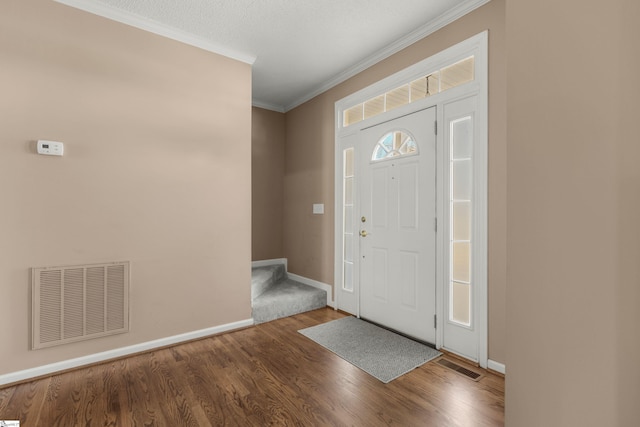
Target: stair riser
{"x":263,"y":314}
{"x":263,"y":278}
{"x":260,"y":286}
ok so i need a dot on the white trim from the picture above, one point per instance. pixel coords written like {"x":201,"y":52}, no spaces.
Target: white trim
{"x":481,"y":203}
{"x":315,"y":284}
{"x":267,"y":262}
{"x":479,"y":255}
{"x":425,"y":30}
{"x":268,"y":106}
{"x":155,"y":27}
{"x":476,"y":45}
{"x":39,"y":371}
{"x":497,"y":366}
{"x":338,"y":219}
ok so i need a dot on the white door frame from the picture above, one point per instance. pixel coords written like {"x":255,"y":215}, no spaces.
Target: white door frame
{"x":346,"y":138}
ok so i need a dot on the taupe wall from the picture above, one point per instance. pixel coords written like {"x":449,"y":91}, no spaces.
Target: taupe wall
{"x":573,"y":207}
{"x":309,"y":162}
{"x":627,"y":215}
{"x":267,"y":183}
{"x":156,"y":170}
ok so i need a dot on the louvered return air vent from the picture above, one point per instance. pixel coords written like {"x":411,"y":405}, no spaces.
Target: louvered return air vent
{"x":77,"y":303}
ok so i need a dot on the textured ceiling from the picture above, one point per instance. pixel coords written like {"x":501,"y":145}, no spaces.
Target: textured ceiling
{"x":301,"y":47}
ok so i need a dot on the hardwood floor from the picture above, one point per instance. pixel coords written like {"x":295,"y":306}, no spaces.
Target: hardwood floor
{"x":264,"y":375}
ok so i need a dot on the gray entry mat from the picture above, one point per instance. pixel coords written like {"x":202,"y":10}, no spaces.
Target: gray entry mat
{"x":377,"y":351}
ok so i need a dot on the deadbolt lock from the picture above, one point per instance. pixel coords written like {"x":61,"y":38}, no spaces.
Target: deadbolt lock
{"x":363,"y":219}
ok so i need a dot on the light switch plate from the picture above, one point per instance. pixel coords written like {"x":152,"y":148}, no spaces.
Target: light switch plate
{"x":318,"y":208}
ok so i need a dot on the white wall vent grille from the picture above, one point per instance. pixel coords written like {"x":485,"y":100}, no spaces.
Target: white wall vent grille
{"x":76,"y":303}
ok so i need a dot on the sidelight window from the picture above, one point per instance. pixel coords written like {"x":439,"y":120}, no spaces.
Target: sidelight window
{"x":460,"y":208}
{"x":348,"y":229}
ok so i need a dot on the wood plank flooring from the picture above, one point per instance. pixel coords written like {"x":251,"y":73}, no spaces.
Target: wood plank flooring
{"x":264,"y":375}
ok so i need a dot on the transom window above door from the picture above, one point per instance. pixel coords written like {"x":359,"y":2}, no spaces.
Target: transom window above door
{"x":394,"y":144}
{"x":435,"y":82}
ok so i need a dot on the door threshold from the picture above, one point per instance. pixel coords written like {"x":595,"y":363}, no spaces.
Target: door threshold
{"x":428,"y":344}
{"x":459,"y":357}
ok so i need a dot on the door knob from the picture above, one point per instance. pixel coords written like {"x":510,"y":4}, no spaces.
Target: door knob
{"x":363,"y":233}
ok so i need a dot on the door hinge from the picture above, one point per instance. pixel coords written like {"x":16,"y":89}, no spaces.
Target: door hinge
{"x":435,"y":321}
{"x":436,"y":223}
{"x":435,"y":127}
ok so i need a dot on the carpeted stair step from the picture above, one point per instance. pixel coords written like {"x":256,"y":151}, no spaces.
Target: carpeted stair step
{"x":262,"y":278}
{"x":286,"y":298}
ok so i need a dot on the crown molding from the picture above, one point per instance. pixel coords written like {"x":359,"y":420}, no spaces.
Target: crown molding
{"x":267,"y":106}
{"x":416,"y":35}
{"x":137,"y":21}
{"x":146,"y":24}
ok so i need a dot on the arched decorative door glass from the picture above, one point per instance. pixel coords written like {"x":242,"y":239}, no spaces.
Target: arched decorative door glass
{"x":394,"y":144}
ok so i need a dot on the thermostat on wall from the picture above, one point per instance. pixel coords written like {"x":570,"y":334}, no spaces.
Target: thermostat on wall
{"x":51,"y":148}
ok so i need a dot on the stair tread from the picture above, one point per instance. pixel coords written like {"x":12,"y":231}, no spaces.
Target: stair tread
{"x":286,"y":298}
{"x":288,"y":287}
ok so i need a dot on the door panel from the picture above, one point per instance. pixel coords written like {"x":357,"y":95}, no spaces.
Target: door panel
{"x":380,"y":290}
{"x":408,"y":196}
{"x":397,"y":237}
{"x":379,"y":210}
{"x":409,"y":262}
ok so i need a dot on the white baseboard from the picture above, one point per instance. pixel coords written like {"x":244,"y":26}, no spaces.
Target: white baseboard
{"x":315,"y":284}
{"x":39,"y":371}
{"x":497,"y":366}
{"x":266,"y":262}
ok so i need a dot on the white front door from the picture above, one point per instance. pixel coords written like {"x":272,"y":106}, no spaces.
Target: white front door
{"x":397,"y":224}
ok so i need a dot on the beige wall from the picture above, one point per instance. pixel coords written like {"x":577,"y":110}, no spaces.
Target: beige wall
{"x":309,"y":162}
{"x":156,"y":171}
{"x":627,"y":187}
{"x":573,"y":207}
{"x":267,"y":183}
